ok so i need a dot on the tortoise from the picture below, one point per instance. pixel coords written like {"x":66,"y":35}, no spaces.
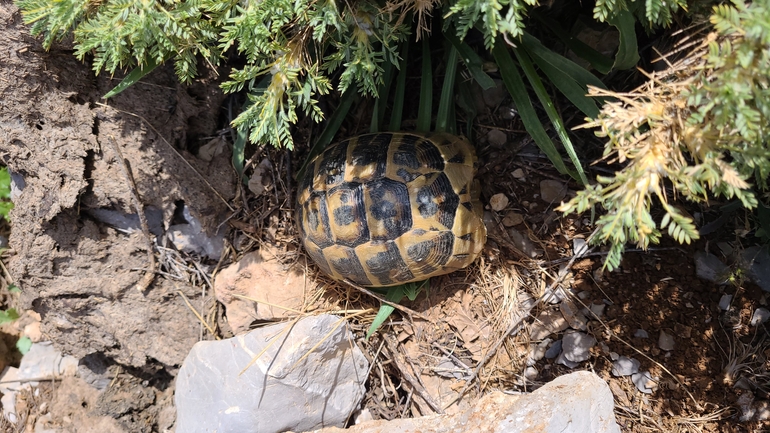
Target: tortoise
{"x":392,"y":208}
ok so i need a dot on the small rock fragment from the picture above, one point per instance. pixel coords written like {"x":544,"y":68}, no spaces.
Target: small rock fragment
{"x":262,"y":177}
{"x":537,"y":351}
{"x":576,"y":346}
{"x":579,"y":246}
{"x":495,"y":95}
{"x":572,"y":315}
{"x":518,"y":174}
{"x":757,"y":261}
{"x":710,"y":268}
{"x":497,"y":138}
{"x":665,"y":341}
{"x":597,"y":309}
{"x":644,"y":382}
{"x":760,"y":316}
{"x":641,"y":333}
{"x":552,"y":191}
{"x":512,"y":219}
{"x":724,"y":302}
{"x":562,"y":360}
{"x":682,"y":331}
{"x":498,"y":202}
{"x":530,"y":373}
{"x":554,"y":350}
{"x":625,"y":366}
{"x":548,"y":322}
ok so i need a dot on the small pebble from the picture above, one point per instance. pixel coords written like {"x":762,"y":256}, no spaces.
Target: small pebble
{"x":518,"y":174}
{"x":537,"y":351}
{"x":498,"y":202}
{"x":625,"y":366}
{"x":597,"y":309}
{"x":644,"y":382}
{"x":552,"y":191}
{"x":562,"y":359}
{"x":710,"y":268}
{"x":605,"y":348}
{"x":512,"y":219}
{"x":760,"y":316}
{"x":554,"y":350}
{"x":614,"y":356}
{"x":579,"y":246}
{"x":641,"y":333}
{"x":724,"y":302}
{"x":576,"y":346}
{"x":665,"y":341}
{"x":585,"y":294}
{"x":497,"y":138}
{"x":530,"y":373}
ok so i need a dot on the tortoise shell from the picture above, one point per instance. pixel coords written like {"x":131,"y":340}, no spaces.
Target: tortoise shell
{"x":391,"y":208}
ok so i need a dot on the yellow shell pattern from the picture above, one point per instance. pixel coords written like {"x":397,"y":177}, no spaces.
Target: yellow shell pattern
{"x":391,"y":208}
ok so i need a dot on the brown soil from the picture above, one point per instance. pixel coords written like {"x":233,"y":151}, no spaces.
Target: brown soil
{"x":81,"y":275}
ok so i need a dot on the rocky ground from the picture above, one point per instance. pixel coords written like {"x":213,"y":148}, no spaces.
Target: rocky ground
{"x":679,"y":352}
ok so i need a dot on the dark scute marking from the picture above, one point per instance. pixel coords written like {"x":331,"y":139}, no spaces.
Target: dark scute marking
{"x":459,"y":158}
{"x":429,"y":155}
{"x":464,"y":190}
{"x":344,"y":215}
{"x":438,"y":197}
{"x":406,"y":154}
{"x":468,"y":205}
{"x":433,"y":252}
{"x":384,"y":262}
{"x":406,"y":175}
{"x":307,"y":180}
{"x":317,"y":229}
{"x":467,"y":236}
{"x":419,"y":232}
{"x":355,"y":213}
{"x":372,"y":149}
{"x":319,"y":259}
{"x":390,"y":204}
{"x":350,"y":267}
{"x":333,"y":163}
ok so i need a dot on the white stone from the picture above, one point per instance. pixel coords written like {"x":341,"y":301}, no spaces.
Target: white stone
{"x":576,"y":346}
{"x":310,"y":375}
{"x":644,"y":382}
{"x":498,"y":202}
{"x":574,"y":403}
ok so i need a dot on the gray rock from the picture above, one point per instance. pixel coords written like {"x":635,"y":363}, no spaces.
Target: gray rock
{"x":625,"y":366}
{"x":577,"y":402}
{"x":757,"y":261}
{"x":554,"y":350}
{"x":576,"y":346}
{"x":724,"y":302}
{"x":579,"y":246}
{"x":192,"y":238}
{"x":17,"y":185}
{"x":512,"y":219}
{"x":224,"y":386}
{"x":562,"y":360}
{"x":644,"y":382}
{"x":497,"y":138}
{"x":597,"y":309}
{"x":572,"y":315}
{"x":760,"y":316}
{"x":641,"y":333}
{"x":495,"y":95}
{"x":665,"y":341}
{"x":710,"y":268}
{"x":552,"y":191}
{"x":129,"y":223}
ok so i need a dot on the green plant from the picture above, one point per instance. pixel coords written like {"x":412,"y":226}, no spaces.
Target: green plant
{"x":295,"y":51}
{"x":698,"y":128}
{"x":5,"y":193}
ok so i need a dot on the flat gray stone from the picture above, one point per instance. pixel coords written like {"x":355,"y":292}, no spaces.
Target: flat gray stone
{"x":641,"y":333}
{"x":724,"y":302}
{"x":666,"y":341}
{"x":552,"y":191}
{"x":292,"y":386}
{"x":757,"y":259}
{"x":554,"y":350}
{"x":497,"y":138}
{"x":576,"y":346}
{"x":710,"y":268}
{"x":625,"y":366}
{"x":760,"y":316}
{"x":644,"y":382}
{"x":576,"y":403}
